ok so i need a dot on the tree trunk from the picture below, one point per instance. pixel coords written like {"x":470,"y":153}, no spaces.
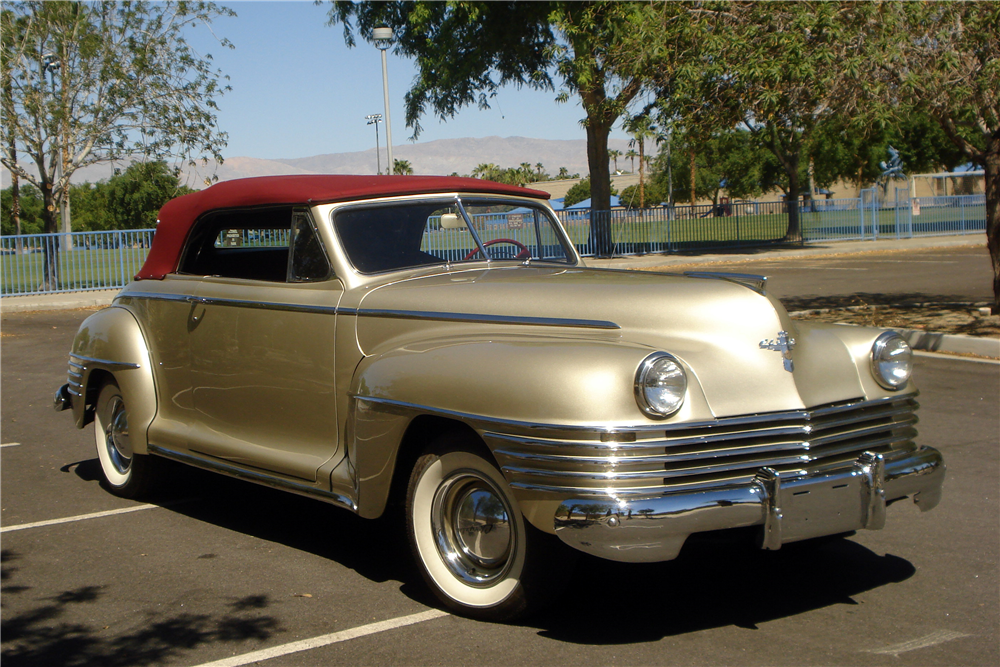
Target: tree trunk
{"x":691,"y":154}
{"x":794,"y":233}
{"x":992,"y":167}
{"x":50,"y":276}
{"x":600,"y":186}
{"x":642,"y":174}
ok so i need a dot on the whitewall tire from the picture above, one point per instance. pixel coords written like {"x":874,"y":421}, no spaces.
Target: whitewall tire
{"x":125,"y":473}
{"x":472,"y":545}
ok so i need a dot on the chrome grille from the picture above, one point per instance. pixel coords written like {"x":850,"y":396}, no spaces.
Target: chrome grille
{"x":690,"y":456}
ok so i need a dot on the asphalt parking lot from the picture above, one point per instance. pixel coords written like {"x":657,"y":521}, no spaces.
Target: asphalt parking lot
{"x":218,"y":569}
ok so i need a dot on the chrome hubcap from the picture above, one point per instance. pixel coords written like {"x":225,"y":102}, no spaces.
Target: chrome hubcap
{"x":473,"y":528}
{"x":116,"y":436}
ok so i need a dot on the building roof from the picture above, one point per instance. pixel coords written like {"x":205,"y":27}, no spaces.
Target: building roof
{"x":178,"y":215}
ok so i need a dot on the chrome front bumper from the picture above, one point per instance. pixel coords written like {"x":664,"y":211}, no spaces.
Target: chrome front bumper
{"x":825,"y":500}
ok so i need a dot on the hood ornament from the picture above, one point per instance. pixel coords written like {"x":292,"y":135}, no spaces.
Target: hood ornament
{"x":783,"y":344}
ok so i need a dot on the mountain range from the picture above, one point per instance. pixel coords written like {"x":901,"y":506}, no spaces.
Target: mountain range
{"x":443,"y":156}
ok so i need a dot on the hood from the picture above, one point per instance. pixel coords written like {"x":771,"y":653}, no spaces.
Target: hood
{"x":714,"y":326}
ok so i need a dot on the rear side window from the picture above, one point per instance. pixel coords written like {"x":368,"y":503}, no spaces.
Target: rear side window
{"x":278,"y":244}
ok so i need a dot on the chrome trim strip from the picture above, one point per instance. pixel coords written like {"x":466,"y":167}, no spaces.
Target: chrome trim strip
{"x":754,"y":281}
{"x":114,"y":365}
{"x":484,"y":319}
{"x":256,"y":477}
{"x":375,"y":312}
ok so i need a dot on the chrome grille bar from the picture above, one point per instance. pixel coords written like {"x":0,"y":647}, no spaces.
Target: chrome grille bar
{"x":683,"y":456}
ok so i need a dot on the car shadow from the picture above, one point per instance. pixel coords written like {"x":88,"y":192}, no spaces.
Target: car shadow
{"x":720,"y":579}
{"x":714,"y":583}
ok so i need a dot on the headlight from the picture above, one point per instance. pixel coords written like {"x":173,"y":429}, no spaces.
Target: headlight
{"x":892,"y":360}
{"x":660,"y":385}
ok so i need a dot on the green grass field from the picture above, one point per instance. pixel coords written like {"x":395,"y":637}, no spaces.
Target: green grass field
{"x":97,"y":268}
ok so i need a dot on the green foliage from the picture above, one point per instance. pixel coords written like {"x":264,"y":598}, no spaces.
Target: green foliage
{"x":402,"y":167}
{"x":521,"y":175}
{"x":135,"y":196}
{"x":581,"y":192}
{"x":30,"y":207}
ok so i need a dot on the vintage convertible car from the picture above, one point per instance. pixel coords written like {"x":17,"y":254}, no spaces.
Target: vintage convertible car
{"x":437,"y":345}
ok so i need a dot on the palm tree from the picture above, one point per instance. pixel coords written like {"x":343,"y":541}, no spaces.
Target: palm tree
{"x":632,"y":155}
{"x":614,"y":155}
{"x":641,"y":128}
{"x":402,"y":167}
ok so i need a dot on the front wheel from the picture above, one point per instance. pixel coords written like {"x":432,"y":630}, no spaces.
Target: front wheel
{"x":473,"y":546}
{"x":125,"y":473}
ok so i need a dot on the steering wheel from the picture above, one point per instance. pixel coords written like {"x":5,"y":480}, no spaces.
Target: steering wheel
{"x":524,"y":254}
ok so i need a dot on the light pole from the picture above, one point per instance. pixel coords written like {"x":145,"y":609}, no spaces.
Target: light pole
{"x":383,"y":40}
{"x":375,"y":119}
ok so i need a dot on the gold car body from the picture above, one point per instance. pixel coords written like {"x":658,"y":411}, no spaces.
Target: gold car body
{"x":328,"y":388}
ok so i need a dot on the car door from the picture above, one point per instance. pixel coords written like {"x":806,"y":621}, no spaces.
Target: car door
{"x":262,"y":356}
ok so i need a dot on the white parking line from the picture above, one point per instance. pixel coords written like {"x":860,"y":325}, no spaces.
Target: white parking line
{"x":10,"y":444}
{"x":326,"y":640}
{"x":933,"y":639}
{"x":81,"y":517}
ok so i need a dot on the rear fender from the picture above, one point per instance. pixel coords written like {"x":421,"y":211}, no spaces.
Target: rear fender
{"x":110,"y":342}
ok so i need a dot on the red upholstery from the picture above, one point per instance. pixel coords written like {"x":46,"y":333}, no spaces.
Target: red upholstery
{"x":177,"y":215}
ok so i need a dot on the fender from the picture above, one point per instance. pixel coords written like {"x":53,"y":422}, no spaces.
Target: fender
{"x":519,"y":382}
{"x":110,"y":340}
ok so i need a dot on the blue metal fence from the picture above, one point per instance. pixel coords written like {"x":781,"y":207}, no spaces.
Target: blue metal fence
{"x":44,"y":263}
{"x":48,"y":263}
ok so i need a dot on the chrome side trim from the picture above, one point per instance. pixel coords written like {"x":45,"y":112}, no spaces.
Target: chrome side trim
{"x":755,"y":282}
{"x":375,"y":312}
{"x":236,"y":303}
{"x":484,"y":319}
{"x":105,"y":363}
{"x":255,"y":477}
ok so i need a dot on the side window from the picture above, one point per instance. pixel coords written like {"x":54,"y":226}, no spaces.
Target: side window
{"x":274,"y":244}
{"x":308,"y":261}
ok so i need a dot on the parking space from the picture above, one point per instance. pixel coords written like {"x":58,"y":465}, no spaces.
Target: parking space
{"x":216,"y":569}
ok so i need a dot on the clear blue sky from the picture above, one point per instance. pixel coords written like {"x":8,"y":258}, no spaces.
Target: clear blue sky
{"x":297,"y":90}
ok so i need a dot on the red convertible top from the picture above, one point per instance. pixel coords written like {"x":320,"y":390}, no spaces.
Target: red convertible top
{"x":177,"y":215}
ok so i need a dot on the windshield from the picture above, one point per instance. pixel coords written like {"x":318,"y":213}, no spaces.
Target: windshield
{"x":400,"y":235}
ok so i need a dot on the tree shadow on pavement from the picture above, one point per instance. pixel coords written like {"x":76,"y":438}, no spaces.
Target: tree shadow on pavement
{"x":54,"y":630}
{"x":713,"y":584}
{"x":795,"y":303}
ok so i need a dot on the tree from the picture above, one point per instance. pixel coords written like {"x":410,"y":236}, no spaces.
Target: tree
{"x":402,"y":167}
{"x":122,"y":81}
{"x":580,"y":192}
{"x":946,"y":58}
{"x":778,"y":69}
{"x":30,"y":202}
{"x":465,"y":51}
{"x":135,"y":196}
{"x":614,"y":155}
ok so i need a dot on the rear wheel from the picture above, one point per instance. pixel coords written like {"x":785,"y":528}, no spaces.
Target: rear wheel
{"x":125,"y":473}
{"x":474,"y":548}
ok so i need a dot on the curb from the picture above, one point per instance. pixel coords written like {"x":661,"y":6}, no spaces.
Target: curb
{"x":956,"y":344}
{"x":66,"y":301}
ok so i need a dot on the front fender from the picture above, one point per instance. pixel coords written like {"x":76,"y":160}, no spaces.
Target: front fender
{"x":527,"y":380}
{"x":110,"y":342}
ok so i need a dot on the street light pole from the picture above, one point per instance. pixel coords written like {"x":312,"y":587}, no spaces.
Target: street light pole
{"x":51,"y":64}
{"x":383,"y":40}
{"x":375,"y":119}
